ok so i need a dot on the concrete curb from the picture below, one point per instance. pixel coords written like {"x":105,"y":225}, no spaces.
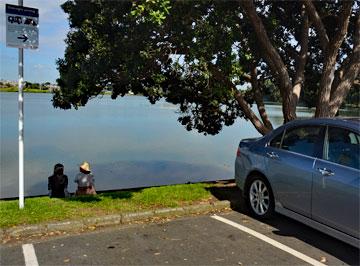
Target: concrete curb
{"x":108,"y":220}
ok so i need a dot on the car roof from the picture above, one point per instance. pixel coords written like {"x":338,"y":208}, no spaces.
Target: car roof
{"x":347,"y":122}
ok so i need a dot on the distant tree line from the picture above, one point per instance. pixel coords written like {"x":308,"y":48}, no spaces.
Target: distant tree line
{"x":308,"y":98}
{"x":37,"y":86}
{"x":27,"y":85}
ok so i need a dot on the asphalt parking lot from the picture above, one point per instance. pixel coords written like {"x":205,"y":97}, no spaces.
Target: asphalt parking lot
{"x":201,"y":240}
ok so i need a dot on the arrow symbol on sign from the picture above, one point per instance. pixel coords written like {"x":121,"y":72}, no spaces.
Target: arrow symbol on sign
{"x":23,"y":37}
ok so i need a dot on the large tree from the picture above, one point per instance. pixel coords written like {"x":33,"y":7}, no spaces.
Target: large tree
{"x":201,"y":55}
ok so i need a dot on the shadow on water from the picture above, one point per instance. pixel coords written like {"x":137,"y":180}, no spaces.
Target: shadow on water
{"x":287,"y":227}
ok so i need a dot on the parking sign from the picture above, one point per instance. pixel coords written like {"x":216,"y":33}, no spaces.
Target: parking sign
{"x":22,"y":27}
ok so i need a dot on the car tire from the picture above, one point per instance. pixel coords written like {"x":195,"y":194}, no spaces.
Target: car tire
{"x":259,"y":197}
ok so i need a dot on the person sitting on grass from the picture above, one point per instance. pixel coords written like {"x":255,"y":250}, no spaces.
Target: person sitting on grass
{"x":85,"y":180}
{"x":58,"y":182}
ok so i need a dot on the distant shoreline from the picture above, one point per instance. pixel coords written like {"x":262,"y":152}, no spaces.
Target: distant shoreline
{"x":15,"y":89}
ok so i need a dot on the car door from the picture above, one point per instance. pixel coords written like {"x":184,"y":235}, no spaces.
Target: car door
{"x":336,"y":194}
{"x":290,"y":166}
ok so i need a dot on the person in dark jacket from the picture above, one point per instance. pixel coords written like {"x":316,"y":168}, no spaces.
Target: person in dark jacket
{"x":58,"y":182}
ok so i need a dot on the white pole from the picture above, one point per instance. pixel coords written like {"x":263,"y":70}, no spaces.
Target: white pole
{"x":21,"y":124}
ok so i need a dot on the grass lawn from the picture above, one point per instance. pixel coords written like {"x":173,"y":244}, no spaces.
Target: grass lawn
{"x":44,"y":209}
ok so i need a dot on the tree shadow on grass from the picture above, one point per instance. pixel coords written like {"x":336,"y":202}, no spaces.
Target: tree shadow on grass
{"x":85,"y":198}
{"x":287,"y":227}
{"x":118,"y":194}
{"x":123,"y":194}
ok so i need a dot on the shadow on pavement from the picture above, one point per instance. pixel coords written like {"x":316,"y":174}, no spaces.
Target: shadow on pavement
{"x":287,"y":227}
{"x":230,"y":192}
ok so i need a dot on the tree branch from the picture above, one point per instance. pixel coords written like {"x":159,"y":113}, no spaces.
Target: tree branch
{"x":304,"y":41}
{"x":258,"y":96}
{"x":344,"y":18}
{"x":247,"y":77}
{"x":339,"y":74}
{"x":260,"y":127}
{"x":331,"y":53}
{"x":301,"y":60}
{"x":291,"y":52}
{"x":244,"y":106}
{"x":320,"y":28}
{"x":350,"y":74}
{"x":273,"y":59}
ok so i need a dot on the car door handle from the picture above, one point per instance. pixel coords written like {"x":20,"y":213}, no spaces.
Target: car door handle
{"x":326,"y":172}
{"x":272,"y":155}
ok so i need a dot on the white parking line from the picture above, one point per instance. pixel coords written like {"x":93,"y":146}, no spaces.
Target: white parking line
{"x":29,"y":255}
{"x":270,"y":241}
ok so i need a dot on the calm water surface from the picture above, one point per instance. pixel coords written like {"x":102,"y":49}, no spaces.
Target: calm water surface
{"x":128,"y":142}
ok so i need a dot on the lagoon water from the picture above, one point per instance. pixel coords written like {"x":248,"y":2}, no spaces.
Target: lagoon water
{"x":128,"y":142}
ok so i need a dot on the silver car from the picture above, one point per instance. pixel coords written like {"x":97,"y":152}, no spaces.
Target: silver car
{"x":307,"y":170}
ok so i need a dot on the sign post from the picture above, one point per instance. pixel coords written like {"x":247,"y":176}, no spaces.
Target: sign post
{"x":21,"y":32}
{"x":21,"y":127}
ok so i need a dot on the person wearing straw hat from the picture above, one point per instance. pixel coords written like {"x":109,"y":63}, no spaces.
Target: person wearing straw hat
{"x":85,"y":180}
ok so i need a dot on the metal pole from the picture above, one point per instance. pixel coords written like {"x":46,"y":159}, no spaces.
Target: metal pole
{"x":21,"y":124}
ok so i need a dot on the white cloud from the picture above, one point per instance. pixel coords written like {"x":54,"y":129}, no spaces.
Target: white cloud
{"x":49,"y":10}
{"x":39,"y":66}
{"x":55,"y":40}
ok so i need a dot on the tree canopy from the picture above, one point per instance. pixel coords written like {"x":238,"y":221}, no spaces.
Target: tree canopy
{"x":214,"y":59}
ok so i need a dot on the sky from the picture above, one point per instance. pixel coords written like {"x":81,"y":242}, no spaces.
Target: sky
{"x":39,"y":64}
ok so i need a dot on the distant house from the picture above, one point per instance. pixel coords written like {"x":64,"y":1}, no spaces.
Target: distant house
{"x":7,"y":83}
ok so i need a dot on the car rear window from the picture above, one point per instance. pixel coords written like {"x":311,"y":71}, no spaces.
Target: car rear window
{"x":343,"y":147}
{"x":304,"y":140}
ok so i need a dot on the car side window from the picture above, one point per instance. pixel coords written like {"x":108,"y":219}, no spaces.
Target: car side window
{"x":343,"y":147}
{"x":304,"y":140}
{"x":276,"y":142}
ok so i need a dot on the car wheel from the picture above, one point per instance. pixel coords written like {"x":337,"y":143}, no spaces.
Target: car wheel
{"x":259,"y":197}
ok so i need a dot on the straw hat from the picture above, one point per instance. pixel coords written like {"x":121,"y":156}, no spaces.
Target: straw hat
{"x":85,"y":166}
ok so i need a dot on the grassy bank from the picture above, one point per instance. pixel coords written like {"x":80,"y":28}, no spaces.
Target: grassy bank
{"x":44,"y":209}
{"x":15,"y":89}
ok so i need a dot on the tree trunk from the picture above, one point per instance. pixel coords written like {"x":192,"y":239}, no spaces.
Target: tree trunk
{"x":330,"y":54}
{"x":258,"y":96}
{"x":351,"y":71}
{"x":273,"y":59}
{"x":339,"y":96}
{"x":327,"y":78}
{"x":301,"y":60}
